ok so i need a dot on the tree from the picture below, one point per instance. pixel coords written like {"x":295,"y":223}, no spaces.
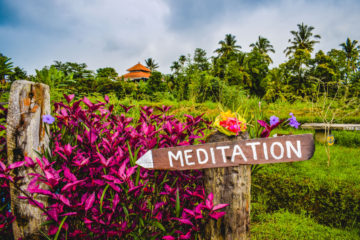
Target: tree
{"x":6,"y":66}
{"x":200,"y":60}
{"x":79,"y":70}
{"x":351,"y":50}
{"x":275,"y":85}
{"x":182,"y":60}
{"x":263,"y":46}
{"x":54,"y":78}
{"x":227,"y":46}
{"x":302,"y":39}
{"x":175,"y":67}
{"x":151,"y":64}
{"x":107,"y":72}
{"x":19,"y":73}
{"x":155,"y":83}
{"x":326,"y":72}
{"x":298,"y":73}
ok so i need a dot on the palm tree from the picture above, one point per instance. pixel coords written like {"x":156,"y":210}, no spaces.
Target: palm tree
{"x":227,"y":46}
{"x":302,"y":39}
{"x":351,"y":50}
{"x":151,"y":64}
{"x":6,"y":66}
{"x":175,"y":67}
{"x":263,"y":46}
{"x":182,"y":60}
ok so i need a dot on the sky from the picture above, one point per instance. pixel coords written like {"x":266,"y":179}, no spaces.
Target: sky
{"x":121,"y":33}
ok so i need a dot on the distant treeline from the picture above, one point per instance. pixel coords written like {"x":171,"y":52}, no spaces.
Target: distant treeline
{"x":221,"y":77}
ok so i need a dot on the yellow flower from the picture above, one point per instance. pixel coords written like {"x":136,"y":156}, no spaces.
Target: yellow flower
{"x":230,"y":123}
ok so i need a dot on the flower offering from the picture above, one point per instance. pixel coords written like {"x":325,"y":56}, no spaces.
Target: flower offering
{"x":230,"y":123}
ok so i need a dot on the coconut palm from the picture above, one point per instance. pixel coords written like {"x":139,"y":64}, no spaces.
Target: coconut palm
{"x":302,"y":39}
{"x":351,"y":49}
{"x":6,"y":66}
{"x":227,"y":46}
{"x":182,"y":60}
{"x":263,"y":46}
{"x":151,"y":64}
{"x":175,"y":67}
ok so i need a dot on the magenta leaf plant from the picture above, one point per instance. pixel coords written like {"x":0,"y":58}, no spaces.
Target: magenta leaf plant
{"x":6,"y":216}
{"x":94,"y":188}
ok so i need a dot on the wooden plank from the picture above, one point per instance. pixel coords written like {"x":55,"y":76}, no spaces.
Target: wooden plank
{"x":28,"y":102}
{"x":289,"y":148}
{"x":334,"y":126}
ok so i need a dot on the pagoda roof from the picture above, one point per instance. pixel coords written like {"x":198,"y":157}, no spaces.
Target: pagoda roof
{"x":136,"y":75}
{"x":138,"y":67}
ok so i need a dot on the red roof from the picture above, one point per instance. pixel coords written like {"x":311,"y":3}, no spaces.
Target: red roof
{"x":138,"y":67}
{"x":136,"y":75}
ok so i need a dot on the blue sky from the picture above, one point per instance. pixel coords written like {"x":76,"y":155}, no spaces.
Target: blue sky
{"x":120,"y":33}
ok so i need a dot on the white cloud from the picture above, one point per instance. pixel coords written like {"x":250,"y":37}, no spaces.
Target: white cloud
{"x":120,"y":33}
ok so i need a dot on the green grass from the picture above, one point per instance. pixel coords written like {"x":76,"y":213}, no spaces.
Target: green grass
{"x":328,"y":193}
{"x":343,"y":170}
{"x":283,"y":225}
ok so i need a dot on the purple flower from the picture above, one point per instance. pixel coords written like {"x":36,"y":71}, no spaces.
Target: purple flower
{"x":48,"y":119}
{"x":293,"y":122}
{"x":274,"y":120}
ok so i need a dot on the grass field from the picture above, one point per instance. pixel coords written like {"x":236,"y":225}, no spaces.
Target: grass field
{"x":302,"y":200}
{"x":283,"y":225}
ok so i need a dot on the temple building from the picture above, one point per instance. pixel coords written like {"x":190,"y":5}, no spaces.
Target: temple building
{"x":137,"y":73}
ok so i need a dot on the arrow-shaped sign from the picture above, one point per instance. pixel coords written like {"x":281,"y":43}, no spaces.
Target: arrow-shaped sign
{"x":290,"y":148}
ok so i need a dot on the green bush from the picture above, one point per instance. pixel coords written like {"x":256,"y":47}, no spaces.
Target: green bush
{"x":285,"y":225}
{"x":331,"y":195}
{"x":347,"y":138}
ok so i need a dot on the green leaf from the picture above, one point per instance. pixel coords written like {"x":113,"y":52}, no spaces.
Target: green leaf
{"x":3,"y":207}
{"x":159,"y":225}
{"x":137,"y":176}
{"x":132,"y":162}
{"x":102,"y":198}
{"x":60,"y":226}
{"x":46,"y":222}
{"x":45,"y":235}
{"x":177,"y":206}
{"x":142,"y":224}
{"x":125,"y":210}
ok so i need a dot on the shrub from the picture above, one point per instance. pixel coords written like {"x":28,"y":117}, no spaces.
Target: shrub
{"x":6,"y":217}
{"x":95,"y":190}
{"x":329,"y":195}
{"x":347,"y":138}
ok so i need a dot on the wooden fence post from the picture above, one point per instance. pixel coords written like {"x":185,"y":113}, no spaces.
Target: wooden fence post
{"x":229,"y":185}
{"x":28,"y":102}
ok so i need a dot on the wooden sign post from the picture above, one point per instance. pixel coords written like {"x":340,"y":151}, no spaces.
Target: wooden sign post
{"x":290,"y":148}
{"x":228,"y":174}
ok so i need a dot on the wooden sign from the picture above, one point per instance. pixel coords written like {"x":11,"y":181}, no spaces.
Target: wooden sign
{"x":289,"y":148}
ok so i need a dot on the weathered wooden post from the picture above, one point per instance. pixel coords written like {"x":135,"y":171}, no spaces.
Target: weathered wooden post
{"x":229,"y":185}
{"x":28,"y":102}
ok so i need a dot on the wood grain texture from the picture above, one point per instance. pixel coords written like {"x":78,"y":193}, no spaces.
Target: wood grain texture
{"x":333,"y":126}
{"x":28,"y":102}
{"x":229,"y":185}
{"x":233,"y":152}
